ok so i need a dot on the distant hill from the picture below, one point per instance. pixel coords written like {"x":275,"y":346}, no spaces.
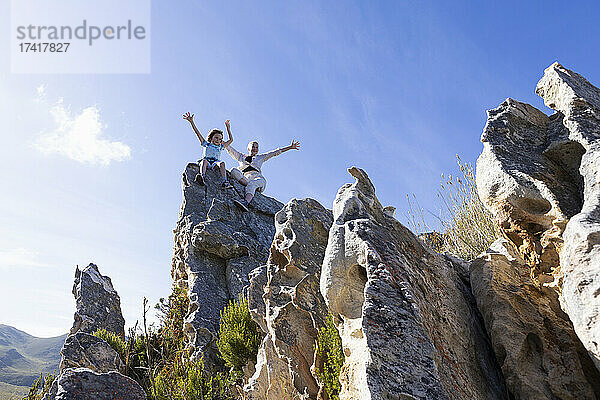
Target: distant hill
{"x":23,"y":356}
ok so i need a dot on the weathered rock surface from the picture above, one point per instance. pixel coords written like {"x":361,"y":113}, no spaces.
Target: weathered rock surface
{"x":540,"y":355}
{"x":216,"y":247}
{"x":286,"y":303}
{"x":98,"y":305}
{"x":86,"y":351}
{"x":85,"y":384}
{"x":579,"y":102}
{"x":89,"y":366}
{"x":409,"y":325}
{"x":540,"y":178}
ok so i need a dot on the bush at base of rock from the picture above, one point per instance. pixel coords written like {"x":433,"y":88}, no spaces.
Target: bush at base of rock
{"x":113,"y":341}
{"x":238,"y":335}
{"x":41,"y":387}
{"x":329,"y":351}
{"x":187,"y":380}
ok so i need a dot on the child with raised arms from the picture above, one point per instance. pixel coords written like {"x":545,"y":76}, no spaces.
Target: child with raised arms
{"x":212,"y":151}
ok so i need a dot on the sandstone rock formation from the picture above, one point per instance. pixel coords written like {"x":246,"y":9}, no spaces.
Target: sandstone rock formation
{"x":85,"y":384}
{"x":540,"y":355}
{"x":86,"y":351}
{"x":98,"y":304}
{"x":579,"y":102}
{"x":216,"y":247}
{"x":409,"y":326}
{"x":539,"y":177}
{"x":286,"y":303}
{"x":89,"y":367}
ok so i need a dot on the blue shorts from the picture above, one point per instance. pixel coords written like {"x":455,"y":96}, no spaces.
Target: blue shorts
{"x":212,"y":162}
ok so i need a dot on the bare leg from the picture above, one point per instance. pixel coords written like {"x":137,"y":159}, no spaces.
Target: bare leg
{"x":243,"y":181}
{"x":200,"y":177}
{"x":223,"y":170}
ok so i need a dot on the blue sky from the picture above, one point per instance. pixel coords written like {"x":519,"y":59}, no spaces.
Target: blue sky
{"x":396,"y":88}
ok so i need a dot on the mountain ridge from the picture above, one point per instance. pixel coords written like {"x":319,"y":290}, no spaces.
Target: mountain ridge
{"x":24,"y":356}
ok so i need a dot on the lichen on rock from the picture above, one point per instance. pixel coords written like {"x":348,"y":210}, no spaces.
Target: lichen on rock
{"x":539,"y":176}
{"x":97,"y":302}
{"x":216,"y":247}
{"x":408,"y":323}
{"x":540,"y":355}
{"x":287,"y":304}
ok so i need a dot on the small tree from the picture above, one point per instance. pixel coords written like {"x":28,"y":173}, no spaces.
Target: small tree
{"x":239,"y":337}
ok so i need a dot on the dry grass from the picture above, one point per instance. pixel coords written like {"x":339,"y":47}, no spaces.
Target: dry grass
{"x":468,"y":228}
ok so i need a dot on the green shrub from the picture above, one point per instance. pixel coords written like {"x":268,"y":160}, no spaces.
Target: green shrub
{"x":329,"y":352}
{"x":239,"y":337}
{"x":114,"y":341}
{"x":186,"y":380}
{"x":40,"y":387}
{"x":468,"y":227}
{"x":172,"y":313}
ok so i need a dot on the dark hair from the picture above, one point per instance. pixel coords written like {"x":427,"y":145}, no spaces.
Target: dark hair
{"x":212,"y":133}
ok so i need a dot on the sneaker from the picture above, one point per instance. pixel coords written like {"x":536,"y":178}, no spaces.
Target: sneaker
{"x":199,"y":179}
{"x":226,"y":185}
{"x":243,"y":204}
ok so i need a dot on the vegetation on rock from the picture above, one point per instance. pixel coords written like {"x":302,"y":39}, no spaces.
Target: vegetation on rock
{"x":113,"y":341}
{"x":239,"y":337}
{"x":187,"y":380}
{"x":40,"y":387}
{"x":329,"y":351}
{"x":468,"y":227}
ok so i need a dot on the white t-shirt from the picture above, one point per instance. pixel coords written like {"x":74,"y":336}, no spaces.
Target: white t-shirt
{"x":248,"y":163}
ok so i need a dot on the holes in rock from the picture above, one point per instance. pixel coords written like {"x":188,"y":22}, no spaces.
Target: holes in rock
{"x":287,"y":233}
{"x":567,"y":157}
{"x":533,"y":350}
{"x":534,"y":206}
{"x":352,"y":296}
{"x":281,"y":217}
{"x":359,"y":273}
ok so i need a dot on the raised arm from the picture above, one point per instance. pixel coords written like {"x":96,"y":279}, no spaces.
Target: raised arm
{"x":230,"y":140}
{"x":190,"y":118}
{"x":236,"y":155}
{"x":294,"y":146}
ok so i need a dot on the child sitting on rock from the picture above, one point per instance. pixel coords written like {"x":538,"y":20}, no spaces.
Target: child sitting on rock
{"x":249,"y":171}
{"x":212,"y":151}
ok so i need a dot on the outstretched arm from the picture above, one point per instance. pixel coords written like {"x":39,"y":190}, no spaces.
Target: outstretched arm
{"x":228,"y":126}
{"x":294,"y":146}
{"x":190,"y":118}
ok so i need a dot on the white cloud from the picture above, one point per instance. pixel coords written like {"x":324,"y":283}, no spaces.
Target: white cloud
{"x":20,"y":257}
{"x":80,"y":137}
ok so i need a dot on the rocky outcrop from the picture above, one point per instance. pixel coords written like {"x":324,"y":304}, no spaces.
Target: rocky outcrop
{"x":85,"y":384}
{"x":86,"y":351}
{"x":540,"y":355}
{"x":539,"y":176}
{"x":578,"y":102}
{"x":409,"y":325}
{"x":89,"y":367}
{"x":216,"y":247}
{"x":98,"y":305}
{"x":286,"y":303}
